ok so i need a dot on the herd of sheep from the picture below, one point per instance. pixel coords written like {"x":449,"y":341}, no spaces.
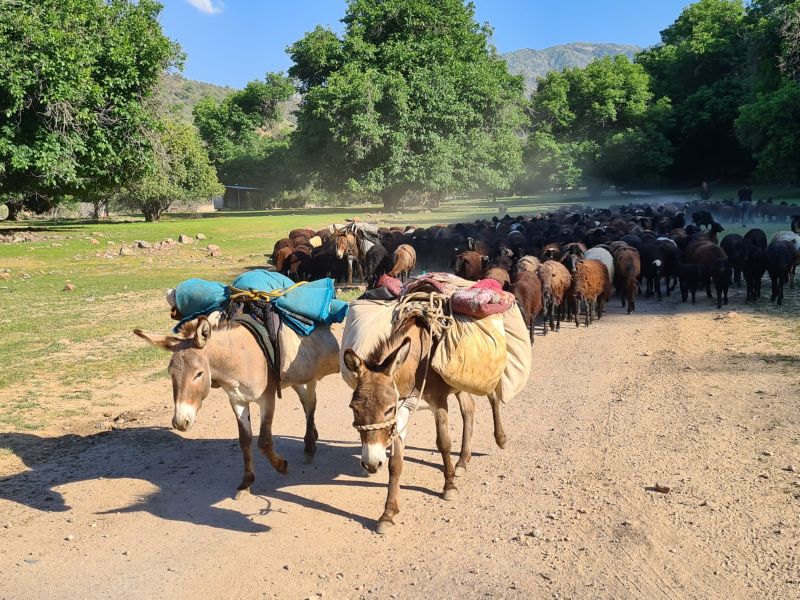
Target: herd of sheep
{"x":563,"y":265}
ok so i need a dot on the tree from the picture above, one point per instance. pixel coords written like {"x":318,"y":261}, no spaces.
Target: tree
{"x":181,"y":172}
{"x":597,"y":124}
{"x":412,"y":100}
{"x":769,"y":120}
{"x":75,"y":76}
{"x":700,"y":65}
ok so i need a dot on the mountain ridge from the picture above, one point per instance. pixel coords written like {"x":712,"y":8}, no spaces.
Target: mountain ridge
{"x":532,"y":64}
{"x":182,"y":94}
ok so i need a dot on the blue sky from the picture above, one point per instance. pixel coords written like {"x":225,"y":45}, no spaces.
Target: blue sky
{"x":230,"y":42}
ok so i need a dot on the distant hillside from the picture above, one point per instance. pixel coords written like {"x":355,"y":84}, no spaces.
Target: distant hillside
{"x":537,"y":63}
{"x":180,"y":95}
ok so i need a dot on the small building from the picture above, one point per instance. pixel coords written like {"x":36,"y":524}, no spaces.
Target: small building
{"x":239,"y":197}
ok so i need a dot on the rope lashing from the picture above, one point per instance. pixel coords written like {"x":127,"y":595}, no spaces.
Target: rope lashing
{"x":253,"y":295}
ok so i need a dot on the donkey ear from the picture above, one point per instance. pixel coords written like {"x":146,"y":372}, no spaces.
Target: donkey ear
{"x":396,"y":358}
{"x":353,"y":362}
{"x":202,"y":333}
{"x":165,"y":342}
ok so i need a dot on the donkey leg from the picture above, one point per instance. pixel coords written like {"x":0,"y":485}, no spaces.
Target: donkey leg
{"x":444,"y":444}
{"x":242,"y":412}
{"x":308,"y":398}
{"x":265,"y":443}
{"x":467,"y":405}
{"x":392,"y":506}
{"x":499,"y":432}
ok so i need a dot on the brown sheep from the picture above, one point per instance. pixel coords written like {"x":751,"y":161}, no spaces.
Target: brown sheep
{"x":281,"y":243}
{"x":556,"y":281}
{"x":500,"y":275}
{"x":470,"y":265}
{"x":281,"y":259}
{"x":627,"y":270}
{"x":528,"y":263}
{"x":405,"y":259}
{"x":591,"y":287}
{"x":301,"y":233}
{"x":527,"y":289}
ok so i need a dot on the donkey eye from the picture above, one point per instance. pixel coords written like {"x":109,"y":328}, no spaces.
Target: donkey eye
{"x":199,"y":375}
{"x":389,"y":411}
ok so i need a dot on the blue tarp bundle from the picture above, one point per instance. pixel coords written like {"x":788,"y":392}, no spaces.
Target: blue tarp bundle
{"x":302,"y":308}
{"x":197,"y":297}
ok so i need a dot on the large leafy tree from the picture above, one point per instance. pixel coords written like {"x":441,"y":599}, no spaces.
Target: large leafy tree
{"x":598,"y":124}
{"x":75,"y":78}
{"x":243,"y":134}
{"x":700,"y":65}
{"x":412,"y":100}
{"x":769,"y":121}
{"x":180,"y":173}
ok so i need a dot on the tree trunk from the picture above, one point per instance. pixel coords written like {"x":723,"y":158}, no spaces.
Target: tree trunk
{"x":14,"y":209}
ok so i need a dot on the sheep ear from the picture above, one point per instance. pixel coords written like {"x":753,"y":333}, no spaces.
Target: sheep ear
{"x":165,"y":342}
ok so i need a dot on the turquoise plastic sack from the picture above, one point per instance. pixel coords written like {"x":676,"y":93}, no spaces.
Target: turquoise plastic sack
{"x":303,"y":307}
{"x":197,"y":297}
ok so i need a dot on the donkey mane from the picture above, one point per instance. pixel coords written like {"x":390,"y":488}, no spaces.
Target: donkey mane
{"x":387,"y":344}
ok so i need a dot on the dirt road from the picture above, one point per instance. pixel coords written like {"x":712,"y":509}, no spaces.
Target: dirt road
{"x":670,"y":396}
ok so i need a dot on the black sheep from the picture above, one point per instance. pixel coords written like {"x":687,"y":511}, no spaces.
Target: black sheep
{"x":780,"y":259}
{"x":702,"y":218}
{"x":377,"y":262}
{"x":734,"y":246}
{"x":754,"y":264}
{"x":689,"y":277}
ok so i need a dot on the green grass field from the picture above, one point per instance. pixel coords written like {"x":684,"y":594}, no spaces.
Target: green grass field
{"x":76,"y":340}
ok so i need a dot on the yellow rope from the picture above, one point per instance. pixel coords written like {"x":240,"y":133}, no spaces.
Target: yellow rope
{"x":252,"y":295}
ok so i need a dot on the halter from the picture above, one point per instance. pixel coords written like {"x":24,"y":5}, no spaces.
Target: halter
{"x":430,"y":306}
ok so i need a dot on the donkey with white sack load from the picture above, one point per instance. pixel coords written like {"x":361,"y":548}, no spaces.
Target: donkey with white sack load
{"x":252,"y":338}
{"x":396,"y":354}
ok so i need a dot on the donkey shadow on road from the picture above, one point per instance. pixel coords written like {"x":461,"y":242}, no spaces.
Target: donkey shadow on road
{"x":191,"y":476}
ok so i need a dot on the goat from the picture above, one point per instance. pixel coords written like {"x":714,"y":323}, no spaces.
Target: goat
{"x":405,"y":259}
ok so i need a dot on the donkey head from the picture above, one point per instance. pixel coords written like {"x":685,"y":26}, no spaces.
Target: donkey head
{"x":341,"y":242}
{"x":374,"y":402}
{"x":189,"y":370}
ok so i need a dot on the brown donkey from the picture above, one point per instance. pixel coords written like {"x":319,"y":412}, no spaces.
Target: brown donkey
{"x":347,"y":247}
{"x":395,"y":372}
{"x":228,"y":357}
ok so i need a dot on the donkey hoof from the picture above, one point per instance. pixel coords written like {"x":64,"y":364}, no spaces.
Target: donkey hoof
{"x":450,"y":495}
{"x":461,"y":471}
{"x":282,"y":467}
{"x":501,"y":442}
{"x":384,"y":527}
{"x":308,"y":458}
{"x":241,"y":494}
